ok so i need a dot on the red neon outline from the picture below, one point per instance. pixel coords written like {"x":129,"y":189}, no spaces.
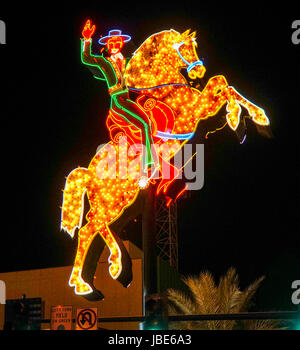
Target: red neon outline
{"x":88,"y":31}
{"x":168,"y":202}
{"x":114,"y":40}
{"x":181,"y":192}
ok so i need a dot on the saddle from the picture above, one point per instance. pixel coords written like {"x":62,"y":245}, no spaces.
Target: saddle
{"x":162,"y":120}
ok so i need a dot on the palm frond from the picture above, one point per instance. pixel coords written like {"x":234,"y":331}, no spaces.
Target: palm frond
{"x":181,"y":302}
{"x":228,"y":292}
{"x":203,"y":291}
{"x":262,"y":325}
{"x":208,"y":298}
{"x":247,"y":295}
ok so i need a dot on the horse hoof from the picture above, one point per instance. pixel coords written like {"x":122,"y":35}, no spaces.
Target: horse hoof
{"x":95,"y":295}
{"x":125,"y":277}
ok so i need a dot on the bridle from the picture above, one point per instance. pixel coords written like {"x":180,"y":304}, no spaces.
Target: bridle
{"x":168,"y":135}
{"x":190,"y":66}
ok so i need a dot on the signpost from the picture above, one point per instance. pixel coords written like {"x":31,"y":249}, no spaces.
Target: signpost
{"x":86,"y":319}
{"x":61,"y":318}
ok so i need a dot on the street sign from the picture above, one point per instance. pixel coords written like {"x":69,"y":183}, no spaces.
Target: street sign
{"x":61,"y":317}
{"x":2,"y":292}
{"x":86,"y":319}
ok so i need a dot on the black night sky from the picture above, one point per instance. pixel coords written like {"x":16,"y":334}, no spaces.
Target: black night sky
{"x":52,"y":120}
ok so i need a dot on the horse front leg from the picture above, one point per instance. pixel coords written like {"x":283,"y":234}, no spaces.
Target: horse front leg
{"x":215,"y":94}
{"x":256,"y":113}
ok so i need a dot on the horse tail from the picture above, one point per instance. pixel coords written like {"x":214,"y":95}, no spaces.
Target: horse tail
{"x":73,"y":200}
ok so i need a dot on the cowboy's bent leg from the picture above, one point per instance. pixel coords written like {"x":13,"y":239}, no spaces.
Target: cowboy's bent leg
{"x":130,"y":111}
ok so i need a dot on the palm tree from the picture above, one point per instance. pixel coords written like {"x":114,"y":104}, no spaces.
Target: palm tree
{"x":208,"y":298}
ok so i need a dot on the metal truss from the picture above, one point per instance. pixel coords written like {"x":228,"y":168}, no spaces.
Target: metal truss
{"x":166,"y":231}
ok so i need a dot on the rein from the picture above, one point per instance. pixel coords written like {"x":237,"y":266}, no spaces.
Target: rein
{"x":167,"y":135}
{"x":190,"y":66}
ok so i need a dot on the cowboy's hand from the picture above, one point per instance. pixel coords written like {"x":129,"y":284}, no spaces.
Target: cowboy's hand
{"x":88,"y":31}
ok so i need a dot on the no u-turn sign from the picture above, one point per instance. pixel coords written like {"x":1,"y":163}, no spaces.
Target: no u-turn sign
{"x":86,"y":319}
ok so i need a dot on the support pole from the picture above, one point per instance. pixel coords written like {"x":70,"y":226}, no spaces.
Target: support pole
{"x":149,"y":246}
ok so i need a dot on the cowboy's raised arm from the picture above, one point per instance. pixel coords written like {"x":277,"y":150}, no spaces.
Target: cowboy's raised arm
{"x":86,"y":55}
{"x":86,"y":42}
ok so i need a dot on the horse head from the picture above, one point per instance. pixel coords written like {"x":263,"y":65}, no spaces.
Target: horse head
{"x":185,"y":49}
{"x":160,"y":58}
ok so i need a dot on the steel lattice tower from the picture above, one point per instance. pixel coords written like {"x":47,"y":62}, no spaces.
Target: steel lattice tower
{"x":166,"y":231}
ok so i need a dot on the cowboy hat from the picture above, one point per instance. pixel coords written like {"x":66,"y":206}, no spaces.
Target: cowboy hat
{"x":112,"y":33}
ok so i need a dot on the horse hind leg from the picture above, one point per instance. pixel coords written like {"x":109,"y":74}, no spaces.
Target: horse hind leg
{"x":90,"y":247}
{"x":90,"y":265}
{"x":120,"y":267}
{"x":86,"y":236}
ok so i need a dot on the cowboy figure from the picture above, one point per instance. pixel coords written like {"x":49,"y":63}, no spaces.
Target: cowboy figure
{"x":113,"y":69}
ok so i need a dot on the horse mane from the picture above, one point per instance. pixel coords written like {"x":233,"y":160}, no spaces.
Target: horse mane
{"x":152,"y":60}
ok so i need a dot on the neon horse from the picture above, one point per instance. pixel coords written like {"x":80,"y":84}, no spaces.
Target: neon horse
{"x":175,"y":109}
